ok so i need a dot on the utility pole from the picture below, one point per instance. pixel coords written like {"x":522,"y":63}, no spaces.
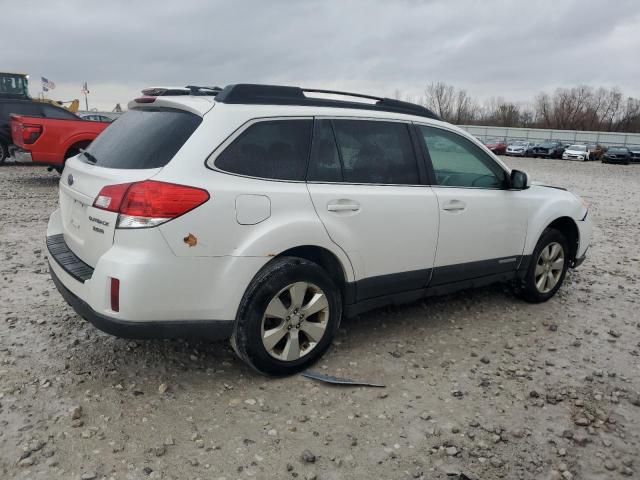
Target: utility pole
{"x":85,"y":90}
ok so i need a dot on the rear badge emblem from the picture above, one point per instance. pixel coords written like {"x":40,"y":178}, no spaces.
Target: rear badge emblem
{"x":70,"y":180}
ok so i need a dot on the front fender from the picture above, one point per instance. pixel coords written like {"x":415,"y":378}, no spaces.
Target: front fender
{"x":550,"y":204}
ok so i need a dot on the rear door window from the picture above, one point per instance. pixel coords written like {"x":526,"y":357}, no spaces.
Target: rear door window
{"x":273,"y":149}
{"x":143,"y":138}
{"x":324,"y":165}
{"x":58,"y":113}
{"x":377,"y":152}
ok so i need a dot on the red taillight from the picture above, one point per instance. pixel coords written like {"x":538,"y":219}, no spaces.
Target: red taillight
{"x":111,"y":196}
{"x":115,"y":294}
{"x":149,"y":203}
{"x":31,"y":133}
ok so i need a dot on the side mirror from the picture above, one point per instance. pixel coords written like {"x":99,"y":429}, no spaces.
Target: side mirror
{"x":519,"y":180}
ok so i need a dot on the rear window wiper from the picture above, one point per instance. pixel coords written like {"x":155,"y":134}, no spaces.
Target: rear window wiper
{"x":89,"y":156}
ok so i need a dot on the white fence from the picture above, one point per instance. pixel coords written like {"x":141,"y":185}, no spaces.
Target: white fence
{"x":537,"y":135}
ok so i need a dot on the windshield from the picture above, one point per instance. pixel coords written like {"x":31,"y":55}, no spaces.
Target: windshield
{"x":518,"y":143}
{"x":13,"y":85}
{"x":143,"y":138}
{"x":618,"y":150}
{"x":579,"y":148}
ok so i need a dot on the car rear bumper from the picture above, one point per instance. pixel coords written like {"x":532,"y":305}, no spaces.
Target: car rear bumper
{"x":209,"y":329}
{"x":20,"y":155}
{"x":616,"y":160}
{"x":160,"y":294}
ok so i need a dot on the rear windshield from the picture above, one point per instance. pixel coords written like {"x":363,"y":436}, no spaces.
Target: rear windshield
{"x":143,"y":138}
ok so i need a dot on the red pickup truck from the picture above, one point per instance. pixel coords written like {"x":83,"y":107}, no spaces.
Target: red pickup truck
{"x":50,"y":141}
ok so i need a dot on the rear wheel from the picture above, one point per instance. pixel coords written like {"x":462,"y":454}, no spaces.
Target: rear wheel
{"x":4,"y":152}
{"x":548,"y":267}
{"x":287,"y":318}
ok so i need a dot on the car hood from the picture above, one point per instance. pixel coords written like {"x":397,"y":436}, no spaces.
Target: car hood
{"x":617,"y":154}
{"x":540,"y":184}
{"x":575,"y":152}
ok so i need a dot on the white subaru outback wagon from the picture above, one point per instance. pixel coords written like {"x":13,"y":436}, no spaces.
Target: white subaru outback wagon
{"x":265,"y":214}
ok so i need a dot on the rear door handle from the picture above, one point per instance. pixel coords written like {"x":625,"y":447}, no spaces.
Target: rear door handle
{"x":454,"y":206}
{"x":343,"y":206}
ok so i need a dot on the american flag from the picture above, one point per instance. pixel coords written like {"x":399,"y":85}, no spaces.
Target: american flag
{"x":47,"y":84}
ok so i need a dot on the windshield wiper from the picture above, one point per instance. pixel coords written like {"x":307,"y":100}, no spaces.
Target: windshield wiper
{"x":89,"y":156}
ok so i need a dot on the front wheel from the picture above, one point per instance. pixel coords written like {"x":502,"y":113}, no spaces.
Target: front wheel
{"x":548,"y":267}
{"x":287,"y":317}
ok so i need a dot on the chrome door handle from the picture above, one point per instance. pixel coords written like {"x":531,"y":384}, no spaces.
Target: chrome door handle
{"x":454,"y":206}
{"x":343,"y":206}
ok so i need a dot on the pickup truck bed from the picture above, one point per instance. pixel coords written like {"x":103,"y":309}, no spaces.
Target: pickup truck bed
{"x":50,"y":141}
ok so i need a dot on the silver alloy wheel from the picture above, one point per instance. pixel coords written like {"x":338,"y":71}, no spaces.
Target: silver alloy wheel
{"x":295,"y":321}
{"x":549,"y":267}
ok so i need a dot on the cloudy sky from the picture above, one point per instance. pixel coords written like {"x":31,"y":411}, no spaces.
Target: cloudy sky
{"x":493,"y":48}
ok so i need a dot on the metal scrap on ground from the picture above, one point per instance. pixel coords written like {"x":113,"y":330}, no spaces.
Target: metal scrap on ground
{"x":339,"y":381}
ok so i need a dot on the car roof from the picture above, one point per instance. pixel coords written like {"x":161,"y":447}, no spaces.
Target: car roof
{"x":276,"y":95}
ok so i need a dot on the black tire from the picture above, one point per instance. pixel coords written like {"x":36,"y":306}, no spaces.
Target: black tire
{"x":529,"y":291}
{"x":246,"y":338}
{"x":4,"y":152}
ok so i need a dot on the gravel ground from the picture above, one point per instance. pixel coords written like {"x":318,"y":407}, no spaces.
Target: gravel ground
{"x":477,"y":383}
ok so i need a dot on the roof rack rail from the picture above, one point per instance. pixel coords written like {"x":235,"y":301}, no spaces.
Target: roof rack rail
{"x":178,"y":91}
{"x":244,"y":93}
{"x":196,"y":90}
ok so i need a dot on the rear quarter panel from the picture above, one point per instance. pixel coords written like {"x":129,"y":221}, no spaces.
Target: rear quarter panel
{"x":292,"y":219}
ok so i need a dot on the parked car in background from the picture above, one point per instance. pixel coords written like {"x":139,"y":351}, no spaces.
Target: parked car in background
{"x":576,"y":152}
{"x":50,"y":141}
{"x":95,"y":117}
{"x":617,"y":155}
{"x":24,"y":107}
{"x":497,"y":146}
{"x":519,"y":148}
{"x":265,"y":215}
{"x":635,"y":152}
{"x":595,"y":151}
{"x":548,"y":149}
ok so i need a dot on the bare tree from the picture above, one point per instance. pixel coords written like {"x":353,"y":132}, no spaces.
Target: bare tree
{"x":455,"y":106}
{"x":439,"y":97}
{"x":577,"y":108}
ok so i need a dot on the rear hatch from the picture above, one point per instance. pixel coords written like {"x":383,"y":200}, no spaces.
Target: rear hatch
{"x":133,"y":148}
